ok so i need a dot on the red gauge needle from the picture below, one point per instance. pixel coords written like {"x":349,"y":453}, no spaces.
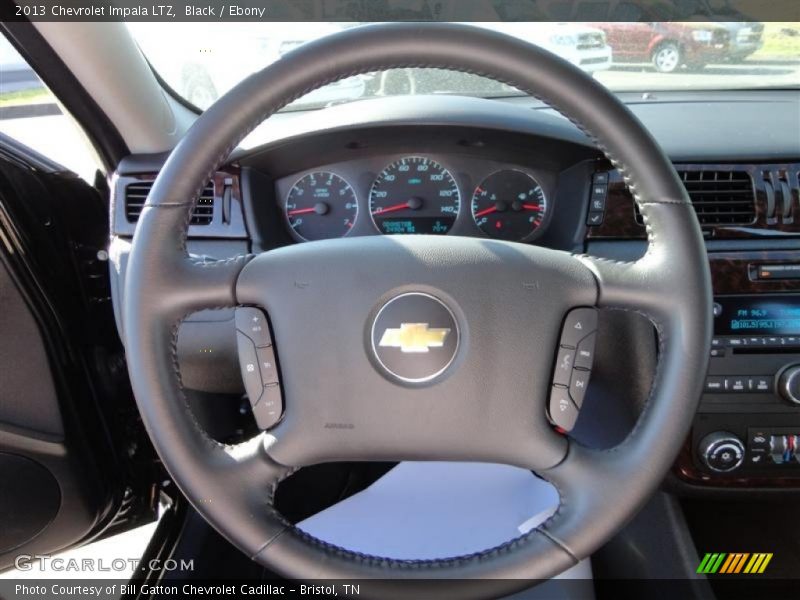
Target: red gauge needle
{"x":485,"y":211}
{"x":530,"y":206}
{"x":394,"y":208}
{"x":301,"y":211}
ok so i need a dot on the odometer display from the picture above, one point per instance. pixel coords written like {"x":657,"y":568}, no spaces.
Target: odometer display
{"x":509,"y":205}
{"x":414,"y":195}
{"x":321,"y":206}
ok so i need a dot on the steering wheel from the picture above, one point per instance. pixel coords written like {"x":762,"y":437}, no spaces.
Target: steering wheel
{"x":505,"y":300}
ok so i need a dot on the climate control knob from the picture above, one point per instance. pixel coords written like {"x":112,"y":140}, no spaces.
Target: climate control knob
{"x":721,"y":451}
{"x":789,"y":384}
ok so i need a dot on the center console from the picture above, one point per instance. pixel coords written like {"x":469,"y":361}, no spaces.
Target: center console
{"x":747,"y":429}
{"x":748,"y":423}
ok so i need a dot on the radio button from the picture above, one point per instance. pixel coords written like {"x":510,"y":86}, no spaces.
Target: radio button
{"x":578,"y":385}
{"x":789,"y":384}
{"x":715,"y":384}
{"x":735,"y":384}
{"x":585,"y":354}
{"x":759,"y":384}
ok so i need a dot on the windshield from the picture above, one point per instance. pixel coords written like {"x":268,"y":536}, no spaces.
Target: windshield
{"x":201,"y":61}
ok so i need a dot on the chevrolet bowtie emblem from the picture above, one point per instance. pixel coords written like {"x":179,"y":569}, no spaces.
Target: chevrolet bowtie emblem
{"x":414,"y":338}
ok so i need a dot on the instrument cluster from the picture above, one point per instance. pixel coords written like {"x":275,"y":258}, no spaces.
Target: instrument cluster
{"x":417,"y":194}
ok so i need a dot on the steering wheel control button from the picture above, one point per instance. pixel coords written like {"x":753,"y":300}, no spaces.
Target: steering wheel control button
{"x":248,"y":362}
{"x":578,"y":324}
{"x":564,"y":363}
{"x":584,"y":357}
{"x":253,"y":323}
{"x":267,"y":411}
{"x":573,"y":367}
{"x":563,"y":412}
{"x":414,"y":337}
{"x":267,"y":365}
{"x":578,"y":385}
{"x":597,"y":200}
{"x":721,"y":451}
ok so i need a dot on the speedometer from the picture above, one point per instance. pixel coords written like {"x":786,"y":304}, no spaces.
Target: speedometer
{"x":414,"y":195}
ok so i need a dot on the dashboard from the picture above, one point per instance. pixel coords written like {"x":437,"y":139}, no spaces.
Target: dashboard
{"x":417,"y":194}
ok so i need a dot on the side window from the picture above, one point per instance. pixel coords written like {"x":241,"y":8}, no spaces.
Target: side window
{"x":31,"y":115}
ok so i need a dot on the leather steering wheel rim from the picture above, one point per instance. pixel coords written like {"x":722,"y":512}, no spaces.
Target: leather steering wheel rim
{"x":233,"y":486}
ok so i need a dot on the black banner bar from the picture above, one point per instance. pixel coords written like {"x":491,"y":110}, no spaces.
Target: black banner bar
{"x":399,"y":10}
{"x":730,"y":587}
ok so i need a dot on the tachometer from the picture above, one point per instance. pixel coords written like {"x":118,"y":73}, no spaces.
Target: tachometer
{"x":414,"y":195}
{"x":321,"y":206}
{"x":509,"y":205}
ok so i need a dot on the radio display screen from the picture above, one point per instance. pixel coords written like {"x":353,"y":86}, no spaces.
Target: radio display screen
{"x":752,"y":315}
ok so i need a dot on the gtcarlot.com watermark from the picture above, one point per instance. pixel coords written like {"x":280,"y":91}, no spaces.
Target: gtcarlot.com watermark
{"x":44,"y":562}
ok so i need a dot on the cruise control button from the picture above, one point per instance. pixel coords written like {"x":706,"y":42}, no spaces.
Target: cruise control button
{"x":593,"y":219}
{"x":253,"y":323}
{"x":578,"y":385}
{"x":268,"y":411}
{"x":597,"y":204}
{"x":584,"y":357}
{"x":578,"y":324}
{"x":266,"y":363}
{"x":563,"y":412}
{"x":564,"y":363}
{"x":248,"y":363}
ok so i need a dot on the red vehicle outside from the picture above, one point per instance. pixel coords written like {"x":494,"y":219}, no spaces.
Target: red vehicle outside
{"x":672,"y":45}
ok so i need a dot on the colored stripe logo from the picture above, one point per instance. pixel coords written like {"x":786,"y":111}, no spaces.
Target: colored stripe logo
{"x":733,"y":563}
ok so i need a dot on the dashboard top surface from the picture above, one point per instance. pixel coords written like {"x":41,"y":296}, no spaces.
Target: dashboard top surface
{"x":690,"y":126}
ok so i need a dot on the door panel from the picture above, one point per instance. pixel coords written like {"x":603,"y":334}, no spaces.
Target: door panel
{"x":73,"y":462}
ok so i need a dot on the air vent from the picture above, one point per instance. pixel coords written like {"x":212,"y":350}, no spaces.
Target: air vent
{"x":719,"y":197}
{"x":136,"y":195}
